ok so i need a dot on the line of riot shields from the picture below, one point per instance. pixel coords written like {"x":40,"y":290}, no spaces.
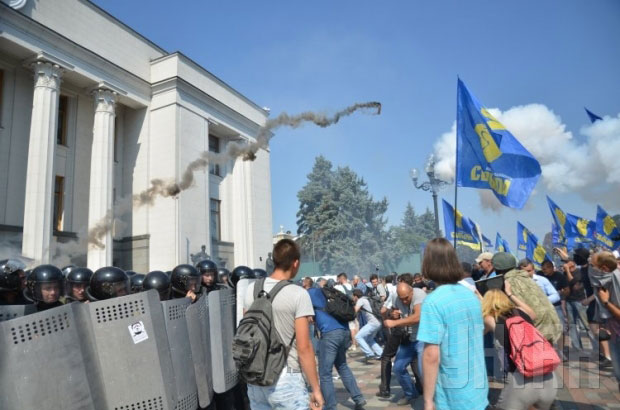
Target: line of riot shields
{"x":130,"y":352}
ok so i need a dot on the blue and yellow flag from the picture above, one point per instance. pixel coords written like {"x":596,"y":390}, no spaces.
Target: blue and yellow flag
{"x":535,"y":251}
{"x":593,"y":117}
{"x":582,"y":231}
{"x":465,"y":234}
{"x":501,"y":245}
{"x":523,"y":235}
{"x":486,"y":242}
{"x":488,"y":156}
{"x":561,"y":225}
{"x":607,"y":233}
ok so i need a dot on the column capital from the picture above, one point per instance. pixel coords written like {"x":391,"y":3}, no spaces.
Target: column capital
{"x":105,"y":100}
{"x":47,"y":74}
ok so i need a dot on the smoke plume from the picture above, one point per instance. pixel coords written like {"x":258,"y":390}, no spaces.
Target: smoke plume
{"x":589,"y":168}
{"x":161,"y":188}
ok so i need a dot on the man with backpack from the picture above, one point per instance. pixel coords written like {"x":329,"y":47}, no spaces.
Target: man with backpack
{"x":366,"y":335}
{"x":332,"y":311}
{"x":272,"y":346}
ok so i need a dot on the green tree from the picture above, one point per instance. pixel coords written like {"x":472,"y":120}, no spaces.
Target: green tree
{"x":413,"y":231}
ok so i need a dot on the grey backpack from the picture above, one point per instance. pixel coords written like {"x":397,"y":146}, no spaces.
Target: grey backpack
{"x":258,"y":351}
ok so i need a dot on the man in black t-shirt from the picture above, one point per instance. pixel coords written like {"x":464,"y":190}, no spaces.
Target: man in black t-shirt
{"x":575,"y":310}
{"x":560,"y":283}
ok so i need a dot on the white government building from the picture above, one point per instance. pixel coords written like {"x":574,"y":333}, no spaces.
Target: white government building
{"x":90,"y":112}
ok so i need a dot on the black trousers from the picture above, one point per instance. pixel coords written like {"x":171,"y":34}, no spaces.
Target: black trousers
{"x":394,"y":339}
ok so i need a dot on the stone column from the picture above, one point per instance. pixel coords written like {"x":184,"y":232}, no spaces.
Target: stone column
{"x":38,"y":204}
{"x":100,"y":204}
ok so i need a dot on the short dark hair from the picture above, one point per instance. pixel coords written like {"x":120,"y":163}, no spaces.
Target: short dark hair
{"x":440,"y":263}
{"x":546,"y":262}
{"x":357,"y":293}
{"x":285,"y":253}
{"x":341,"y":274}
{"x":466,"y":269}
{"x":524,"y":262}
{"x":407,"y":278}
{"x":374,"y":276}
{"x":389,"y":278}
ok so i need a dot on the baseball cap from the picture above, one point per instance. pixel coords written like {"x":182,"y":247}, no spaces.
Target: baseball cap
{"x":484,"y":255}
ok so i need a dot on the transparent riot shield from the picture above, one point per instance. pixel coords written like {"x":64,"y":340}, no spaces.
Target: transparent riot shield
{"x":222,"y":323}
{"x":197,"y":318}
{"x":126,"y":352}
{"x":8,"y":312}
{"x":180,"y":351}
{"x":242,"y":287}
{"x":41,"y":363}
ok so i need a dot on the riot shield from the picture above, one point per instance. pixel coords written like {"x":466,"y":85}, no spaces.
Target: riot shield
{"x":42,"y":365}
{"x":242,"y":287}
{"x":222,"y":323}
{"x":8,"y":312}
{"x":180,"y":351}
{"x":197,"y":318}
{"x":126,"y":352}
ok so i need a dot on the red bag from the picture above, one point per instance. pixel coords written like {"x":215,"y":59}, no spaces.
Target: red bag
{"x":531,"y":353}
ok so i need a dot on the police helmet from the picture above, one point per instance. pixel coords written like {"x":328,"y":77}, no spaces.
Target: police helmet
{"x":221,"y":273}
{"x":136,"y":282}
{"x":241,"y":272}
{"x":159,"y":281}
{"x":260,"y":273}
{"x":68,"y":269}
{"x":183,"y":279}
{"x":77,"y":281}
{"x":45,"y":284}
{"x":108,"y":282}
{"x":208,"y":267}
{"x":130,"y":273}
{"x":10,"y":274}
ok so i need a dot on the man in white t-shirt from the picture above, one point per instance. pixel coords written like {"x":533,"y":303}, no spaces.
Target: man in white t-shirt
{"x":366,"y":335}
{"x":345,"y":287}
{"x":292,"y":309}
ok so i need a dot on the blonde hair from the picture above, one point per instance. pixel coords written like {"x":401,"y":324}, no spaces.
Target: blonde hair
{"x":606,"y":259}
{"x":495,"y":303}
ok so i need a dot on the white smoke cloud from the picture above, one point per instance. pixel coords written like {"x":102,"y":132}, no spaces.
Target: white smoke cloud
{"x":590,"y":168}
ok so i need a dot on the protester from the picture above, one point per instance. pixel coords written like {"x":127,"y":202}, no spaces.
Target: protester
{"x":603,"y":276}
{"x":542,"y":282}
{"x":519,"y":392}
{"x":408,"y":307}
{"x":291,"y":310}
{"x":484,"y":260}
{"x":377,"y":290}
{"x":321,"y":282}
{"x":307,"y":283}
{"x":575,"y":310}
{"x":451,"y":328}
{"x":524,"y":287}
{"x":366,"y":335}
{"x":333,"y":344}
{"x":358,"y":283}
{"x":345,"y":287}
{"x":467,"y":280}
{"x":560,"y":283}
{"x":609,"y":295}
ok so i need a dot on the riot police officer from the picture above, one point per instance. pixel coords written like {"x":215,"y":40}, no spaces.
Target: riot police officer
{"x":159,"y":281}
{"x":260,"y":273}
{"x":224,"y":277}
{"x":76,"y":282}
{"x":241,"y":272}
{"x":68,"y":269}
{"x":45,"y":286}
{"x":185,"y":280}
{"x":108,"y":282}
{"x":136,"y":282}
{"x":11,"y":276}
{"x":209,"y":275}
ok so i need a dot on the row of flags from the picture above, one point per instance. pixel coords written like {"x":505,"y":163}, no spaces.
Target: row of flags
{"x":488,"y":156}
{"x":570,"y":231}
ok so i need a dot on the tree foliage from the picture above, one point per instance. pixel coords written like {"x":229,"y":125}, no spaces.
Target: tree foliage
{"x":343,"y":228}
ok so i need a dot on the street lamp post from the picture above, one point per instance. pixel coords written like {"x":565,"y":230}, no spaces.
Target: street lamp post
{"x":433,"y":184}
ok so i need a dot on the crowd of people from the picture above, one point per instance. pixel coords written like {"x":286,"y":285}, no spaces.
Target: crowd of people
{"x":454,"y":325}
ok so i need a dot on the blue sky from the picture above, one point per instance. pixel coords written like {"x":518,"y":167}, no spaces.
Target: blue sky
{"x":324,"y":55}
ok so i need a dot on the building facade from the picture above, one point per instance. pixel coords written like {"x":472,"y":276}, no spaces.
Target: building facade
{"x":90,"y":113}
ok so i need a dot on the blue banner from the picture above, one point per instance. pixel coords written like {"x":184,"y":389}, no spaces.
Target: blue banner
{"x":607,"y":233}
{"x":535,"y":251}
{"x":593,"y":117}
{"x":487,"y":242}
{"x":523,"y":235}
{"x":488,"y":156}
{"x":501,"y":245}
{"x":465,"y":230}
{"x":583,"y":230}
{"x":561,"y":226}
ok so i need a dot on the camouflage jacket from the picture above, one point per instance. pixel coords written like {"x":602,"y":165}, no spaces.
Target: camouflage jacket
{"x":524,"y":287}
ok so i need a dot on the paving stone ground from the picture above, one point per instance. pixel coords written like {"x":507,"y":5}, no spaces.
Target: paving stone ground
{"x":582,"y":386}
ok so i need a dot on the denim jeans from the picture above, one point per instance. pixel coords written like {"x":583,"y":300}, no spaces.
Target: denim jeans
{"x":614,"y":349}
{"x":333,"y":353}
{"x":366,"y":340}
{"x":314,"y":339}
{"x":406,"y":352}
{"x":289,"y":393}
{"x":576,"y":314}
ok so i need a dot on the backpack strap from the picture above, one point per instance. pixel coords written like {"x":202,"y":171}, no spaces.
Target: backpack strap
{"x":259,"y":287}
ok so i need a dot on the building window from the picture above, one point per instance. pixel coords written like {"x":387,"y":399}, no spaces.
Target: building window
{"x":59,"y":190}
{"x":214,"y":146}
{"x":61,"y":132}
{"x":216,"y":232}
